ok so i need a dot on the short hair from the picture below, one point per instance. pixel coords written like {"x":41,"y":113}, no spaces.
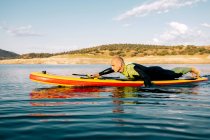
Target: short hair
{"x":118,"y":58}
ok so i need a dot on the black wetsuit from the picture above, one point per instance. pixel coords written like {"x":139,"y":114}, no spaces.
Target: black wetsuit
{"x":149,"y":73}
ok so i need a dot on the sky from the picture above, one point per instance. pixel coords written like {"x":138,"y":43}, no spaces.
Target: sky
{"x":52,"y":26}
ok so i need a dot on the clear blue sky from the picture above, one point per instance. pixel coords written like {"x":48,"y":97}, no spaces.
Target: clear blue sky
{"x":62,"y":25}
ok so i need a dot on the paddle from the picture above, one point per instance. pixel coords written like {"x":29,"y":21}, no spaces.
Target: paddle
{"x":86,"y":75}
{"x":90,"y":76}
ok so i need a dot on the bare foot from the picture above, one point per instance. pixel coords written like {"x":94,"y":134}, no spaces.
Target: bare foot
{"x":195,"y":73}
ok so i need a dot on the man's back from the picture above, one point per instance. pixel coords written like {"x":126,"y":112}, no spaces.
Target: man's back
{"x":157,"y":73}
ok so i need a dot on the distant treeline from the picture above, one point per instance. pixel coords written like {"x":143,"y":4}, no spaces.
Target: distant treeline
{"x":35,"y":55}
{"x":131,"y":50}
{"x":124,"y":50}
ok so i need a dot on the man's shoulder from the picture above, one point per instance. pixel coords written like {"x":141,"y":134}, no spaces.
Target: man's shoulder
{"x":133,"y":64}
{"x":130,"y":65}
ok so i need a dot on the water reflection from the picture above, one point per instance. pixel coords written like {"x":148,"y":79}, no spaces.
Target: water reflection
{"x":116,"y":93}
{"x":64,"y":92}
{"x":40,"y":96}
{"x":119,"y":98}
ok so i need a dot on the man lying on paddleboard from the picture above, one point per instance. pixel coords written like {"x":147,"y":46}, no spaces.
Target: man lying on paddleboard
{"x":134,"y":71}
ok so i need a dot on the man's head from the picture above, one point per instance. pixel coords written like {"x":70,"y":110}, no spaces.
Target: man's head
{"x":117,"y":64}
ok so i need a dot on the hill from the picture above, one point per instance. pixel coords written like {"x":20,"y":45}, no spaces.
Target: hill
{"x":7,"y":54}
{"x":35,"y":55}
{"x":124,"y":50}
{"x":139,"y":50}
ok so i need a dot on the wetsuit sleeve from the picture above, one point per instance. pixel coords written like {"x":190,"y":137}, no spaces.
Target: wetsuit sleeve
{"x":144,"y":76}
{"x":106,"y":71}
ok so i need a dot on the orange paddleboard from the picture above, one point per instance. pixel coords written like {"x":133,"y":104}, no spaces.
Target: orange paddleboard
{"x":73,"y":81}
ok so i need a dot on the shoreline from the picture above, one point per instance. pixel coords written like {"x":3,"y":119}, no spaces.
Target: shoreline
{"x":170,"y":59}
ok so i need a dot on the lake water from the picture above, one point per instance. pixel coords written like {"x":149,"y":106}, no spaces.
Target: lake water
{"x":34,"y":111}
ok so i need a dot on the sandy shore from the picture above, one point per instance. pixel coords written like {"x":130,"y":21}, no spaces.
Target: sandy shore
{"x":175,"y":59}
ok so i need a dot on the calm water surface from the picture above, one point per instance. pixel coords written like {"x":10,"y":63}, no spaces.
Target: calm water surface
{"x":30,"y":110}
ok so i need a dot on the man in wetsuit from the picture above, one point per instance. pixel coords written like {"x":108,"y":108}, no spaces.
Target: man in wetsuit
{"x":135,"y":71}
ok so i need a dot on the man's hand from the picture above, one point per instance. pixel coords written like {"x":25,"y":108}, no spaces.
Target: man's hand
{"x":95,"y":75}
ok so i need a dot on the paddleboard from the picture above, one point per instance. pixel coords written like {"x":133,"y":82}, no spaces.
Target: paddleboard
{"x":47,"y":78}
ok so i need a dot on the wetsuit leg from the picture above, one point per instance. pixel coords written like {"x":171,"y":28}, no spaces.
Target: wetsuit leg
{"x":158,"y":73}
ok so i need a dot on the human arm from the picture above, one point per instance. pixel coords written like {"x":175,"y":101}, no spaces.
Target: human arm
{"x":106,"y":71}
{"x":143,"y":76}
